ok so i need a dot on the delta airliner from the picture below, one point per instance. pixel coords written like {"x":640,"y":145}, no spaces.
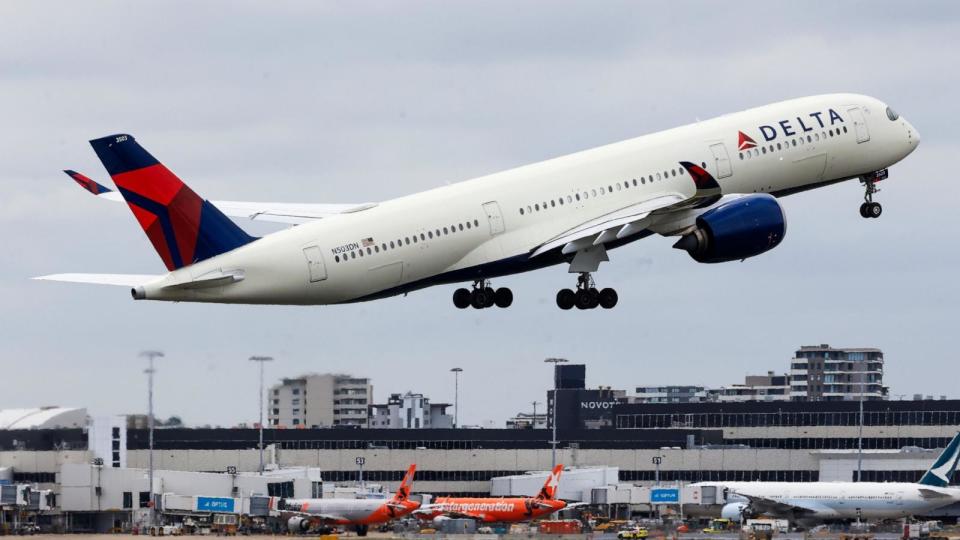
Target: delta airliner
{"x":713,"y":184}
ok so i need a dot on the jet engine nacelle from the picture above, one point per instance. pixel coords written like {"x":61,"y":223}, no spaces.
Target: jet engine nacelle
{"x":298,"y":524}
{"x":738,"y":229}
{"x":735,"y":511}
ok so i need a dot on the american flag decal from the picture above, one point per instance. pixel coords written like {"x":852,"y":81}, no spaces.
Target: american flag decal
{"x":367,"y":242}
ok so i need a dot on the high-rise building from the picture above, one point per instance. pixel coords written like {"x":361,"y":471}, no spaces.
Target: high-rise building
{"x":410,"y":411}
{"x":825,"y":373}
{"x":320,"y":400}
{"x":668,"y":394}
{"x":769,"y":387}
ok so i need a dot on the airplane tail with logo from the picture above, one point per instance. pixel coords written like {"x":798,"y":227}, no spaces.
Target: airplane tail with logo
{"x":549,"y":490}
{"x":183,"y":227}
{"x":942,"y":470}
{"x":403,"y":492}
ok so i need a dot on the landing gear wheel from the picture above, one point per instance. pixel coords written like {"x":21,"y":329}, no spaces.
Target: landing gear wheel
{"x":586,"y":296}
{"x":489,"y":296}
{"x":461,"y":298}
{"x":594,"y":296}
{"x":482,"y":296}
{"x":608,"y":298}
{"x":503,"y":297}
{"x":870,"y":209}
{"x":361,"y":530}
{"x":566,"y":299}
{"x":478,"y":298}
{"x":583,"y":299}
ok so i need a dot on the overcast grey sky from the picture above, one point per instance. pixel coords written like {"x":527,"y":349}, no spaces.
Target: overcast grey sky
{"x":348,"y":101}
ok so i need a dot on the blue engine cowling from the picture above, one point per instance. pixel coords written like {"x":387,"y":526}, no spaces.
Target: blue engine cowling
{"x":735,"y":230}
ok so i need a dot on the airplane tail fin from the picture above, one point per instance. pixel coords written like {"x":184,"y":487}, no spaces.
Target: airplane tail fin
{"x":941,"y":471}
{"x":183,"y":227}
{"x":549,"y":490}
{"x":403,"y":492}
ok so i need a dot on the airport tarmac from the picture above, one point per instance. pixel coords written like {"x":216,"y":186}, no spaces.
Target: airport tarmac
{"x":595,"y":536}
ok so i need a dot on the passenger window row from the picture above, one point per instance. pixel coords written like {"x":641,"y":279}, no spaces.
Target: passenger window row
{"x":371,"y":247}
{"x":602,"y":190}
{"x":797,"y":141}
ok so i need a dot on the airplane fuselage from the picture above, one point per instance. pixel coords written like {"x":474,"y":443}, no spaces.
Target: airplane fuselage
{"x":489,"y":226}
{"x":495,"y":510}
{"x":844,"y":500}
{"x":353,"y":511}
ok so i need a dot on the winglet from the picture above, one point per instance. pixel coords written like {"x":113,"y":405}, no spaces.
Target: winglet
{"x":403,"y":492}
{"x":549,"y":490}
{"x":86,"y":183}
{"x":701,"y":178}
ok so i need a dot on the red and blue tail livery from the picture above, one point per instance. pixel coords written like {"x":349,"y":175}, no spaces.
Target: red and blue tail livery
{"x":86,"y":183}
{"x":183,"y":227}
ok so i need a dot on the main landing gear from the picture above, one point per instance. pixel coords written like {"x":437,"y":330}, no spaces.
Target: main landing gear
{"x":870,"y":209}
{"x":586,"y":296}
{"x":482,"y":296}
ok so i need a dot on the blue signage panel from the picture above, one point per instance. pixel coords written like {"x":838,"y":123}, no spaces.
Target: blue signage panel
{"x":215,"y":504}
{"x":664,"y":495}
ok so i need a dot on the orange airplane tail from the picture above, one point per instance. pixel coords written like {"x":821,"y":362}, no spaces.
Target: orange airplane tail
{"x":403,"y":492}
{"x":549,"y":490}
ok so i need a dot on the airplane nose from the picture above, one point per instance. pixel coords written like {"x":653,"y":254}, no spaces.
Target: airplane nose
{"x":913,"y":136}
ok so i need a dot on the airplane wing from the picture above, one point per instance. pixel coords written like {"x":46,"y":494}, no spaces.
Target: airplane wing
{"x":613,"y":226}
{"x":430,"y":509}
{"x":276,"y":212}
{"x":764,"y":505}
{"x":318,"y":517}
{"x":636,"y":218}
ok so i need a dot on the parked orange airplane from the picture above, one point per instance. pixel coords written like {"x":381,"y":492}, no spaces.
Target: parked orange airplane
{"x":499,"y":509}
{"x":305,"y":514}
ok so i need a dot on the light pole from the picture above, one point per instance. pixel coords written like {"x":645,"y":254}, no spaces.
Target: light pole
{"x":150,"y":356}
{"x":360,"y":461}
{"x":533,"y":424}
{"x":456,"y":395}
{"x":860,"y":437}
{"x":657,"y":460}
{"x":553,"y":442}
{"x":260,"y":360}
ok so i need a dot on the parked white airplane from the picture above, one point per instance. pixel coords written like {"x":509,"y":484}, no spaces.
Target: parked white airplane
{"x":827,"y":501}
{"x":302,"y":515}
{"x":712,"y":183}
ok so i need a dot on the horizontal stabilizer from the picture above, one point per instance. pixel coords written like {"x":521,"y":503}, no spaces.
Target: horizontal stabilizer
{"x":86,"y":183}
{"x":275,"y":212}
{"x":212,"y":279}
{"x":123,"y":280}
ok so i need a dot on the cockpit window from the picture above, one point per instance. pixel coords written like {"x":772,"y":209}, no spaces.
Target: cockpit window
{"x":892,"y":114}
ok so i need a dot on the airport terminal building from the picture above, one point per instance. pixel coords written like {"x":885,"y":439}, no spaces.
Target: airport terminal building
{"x":790,"y":441}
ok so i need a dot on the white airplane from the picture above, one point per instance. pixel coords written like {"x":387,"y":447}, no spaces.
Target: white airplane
{"x":305,"y":514}
{"x":713,"y":184}
{"x":816,"y":502}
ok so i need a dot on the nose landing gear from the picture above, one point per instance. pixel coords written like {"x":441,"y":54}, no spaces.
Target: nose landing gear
{"x":482,"y":296}
{"x":870,"y":209}
{"x":586,"y":295}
